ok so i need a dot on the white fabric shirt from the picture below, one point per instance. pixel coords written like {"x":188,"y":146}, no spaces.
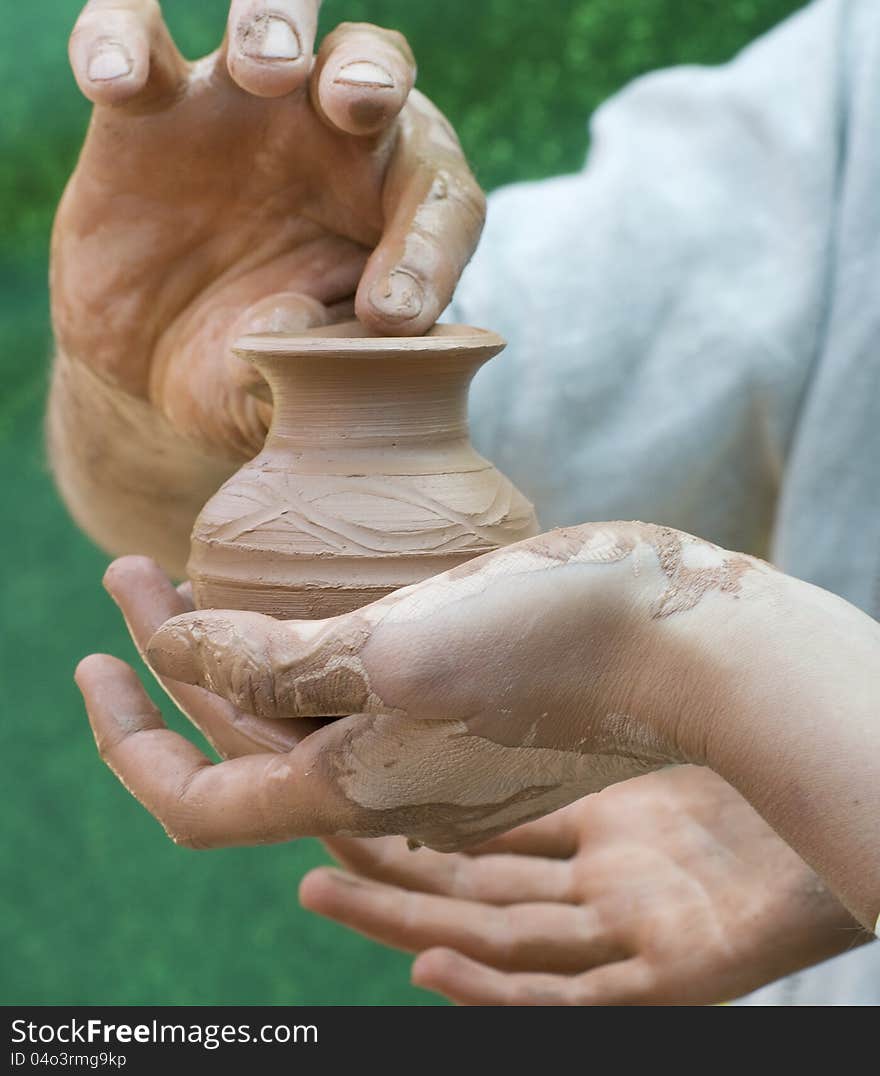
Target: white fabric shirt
{"x":694,"y":325}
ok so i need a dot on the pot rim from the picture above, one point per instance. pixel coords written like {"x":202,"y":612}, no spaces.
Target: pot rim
{"x":350,"y":339}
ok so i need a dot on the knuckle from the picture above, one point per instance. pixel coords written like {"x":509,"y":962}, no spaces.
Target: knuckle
{"x":457,"y":189}
{"x":503,"y":936}
{"x":515,"y":920}
{"x":463,"y":882}
{"x":172,"y":816}
{"x":472,"y":195}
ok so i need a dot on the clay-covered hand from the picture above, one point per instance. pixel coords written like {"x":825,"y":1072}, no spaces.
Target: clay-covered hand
{"x":478,"y":699}
{"x":260,"y":188}
{"x":667,"y":889}
{"x":249,"y":190}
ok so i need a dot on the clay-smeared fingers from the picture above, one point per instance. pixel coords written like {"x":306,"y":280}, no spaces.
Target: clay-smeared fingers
{"x":362,"y":78}
{"x":366,"y":775}
{"x":501,"y":879}
{"x":155,"y":764}
{"x":434,"y":216}
{"x":121,"y":52}
{"x":469,"y":982}
{"x":560,"y":938}
{"x":258,"y":799}
{"x":147,"y":599}
{"x":268,"y":667}
{"x":269,"y":44}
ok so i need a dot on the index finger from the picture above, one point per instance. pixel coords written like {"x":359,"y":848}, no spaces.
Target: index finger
{"x":434,"y":210}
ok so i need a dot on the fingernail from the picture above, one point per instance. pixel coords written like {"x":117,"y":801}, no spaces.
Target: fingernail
{"x":269,"y":37}
{"x":109,"y":60}
{"x":364,"y":73}
{"x":399,"y":297}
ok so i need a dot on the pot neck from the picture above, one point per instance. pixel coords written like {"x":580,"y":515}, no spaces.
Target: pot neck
{"x":367,"y":401}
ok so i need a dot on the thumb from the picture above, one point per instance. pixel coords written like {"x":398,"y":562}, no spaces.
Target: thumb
{"x":283,"y":312}
{"x":226,"y":415}
{"x":270,"y":668}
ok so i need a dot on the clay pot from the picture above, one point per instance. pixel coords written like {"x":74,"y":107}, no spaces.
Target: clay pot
{"x":367,"y":481}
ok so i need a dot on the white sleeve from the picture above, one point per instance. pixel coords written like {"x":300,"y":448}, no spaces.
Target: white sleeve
{"x":664,"y":306}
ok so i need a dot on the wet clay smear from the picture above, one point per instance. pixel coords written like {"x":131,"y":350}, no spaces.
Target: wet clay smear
{"x":694,"y":567}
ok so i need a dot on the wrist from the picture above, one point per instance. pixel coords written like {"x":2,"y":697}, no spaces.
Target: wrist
{"x":771,"y":682}
{"x":680,"y":621}
{"x":795,"y":663}
{"x":799,"y":736}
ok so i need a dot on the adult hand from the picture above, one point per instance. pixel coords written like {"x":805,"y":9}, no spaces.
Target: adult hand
{"x":250,"y":189}
{"x":259,"y":188}
{"x":666,"y":889}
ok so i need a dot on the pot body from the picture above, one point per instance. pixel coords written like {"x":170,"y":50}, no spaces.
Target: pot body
{"x":367,"y":481}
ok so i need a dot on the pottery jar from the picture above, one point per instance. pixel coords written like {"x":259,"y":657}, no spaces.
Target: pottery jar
{"x":367,"y":480}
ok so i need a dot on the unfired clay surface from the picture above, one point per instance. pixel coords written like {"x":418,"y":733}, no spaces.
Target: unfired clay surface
{"x":367,"y":481}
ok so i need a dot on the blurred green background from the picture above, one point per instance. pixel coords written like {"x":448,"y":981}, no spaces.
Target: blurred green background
{"x":98,"y":907}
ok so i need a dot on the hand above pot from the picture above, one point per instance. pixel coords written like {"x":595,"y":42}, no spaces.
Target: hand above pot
{"x":515,"y":684}
{"x":259,"y":188}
